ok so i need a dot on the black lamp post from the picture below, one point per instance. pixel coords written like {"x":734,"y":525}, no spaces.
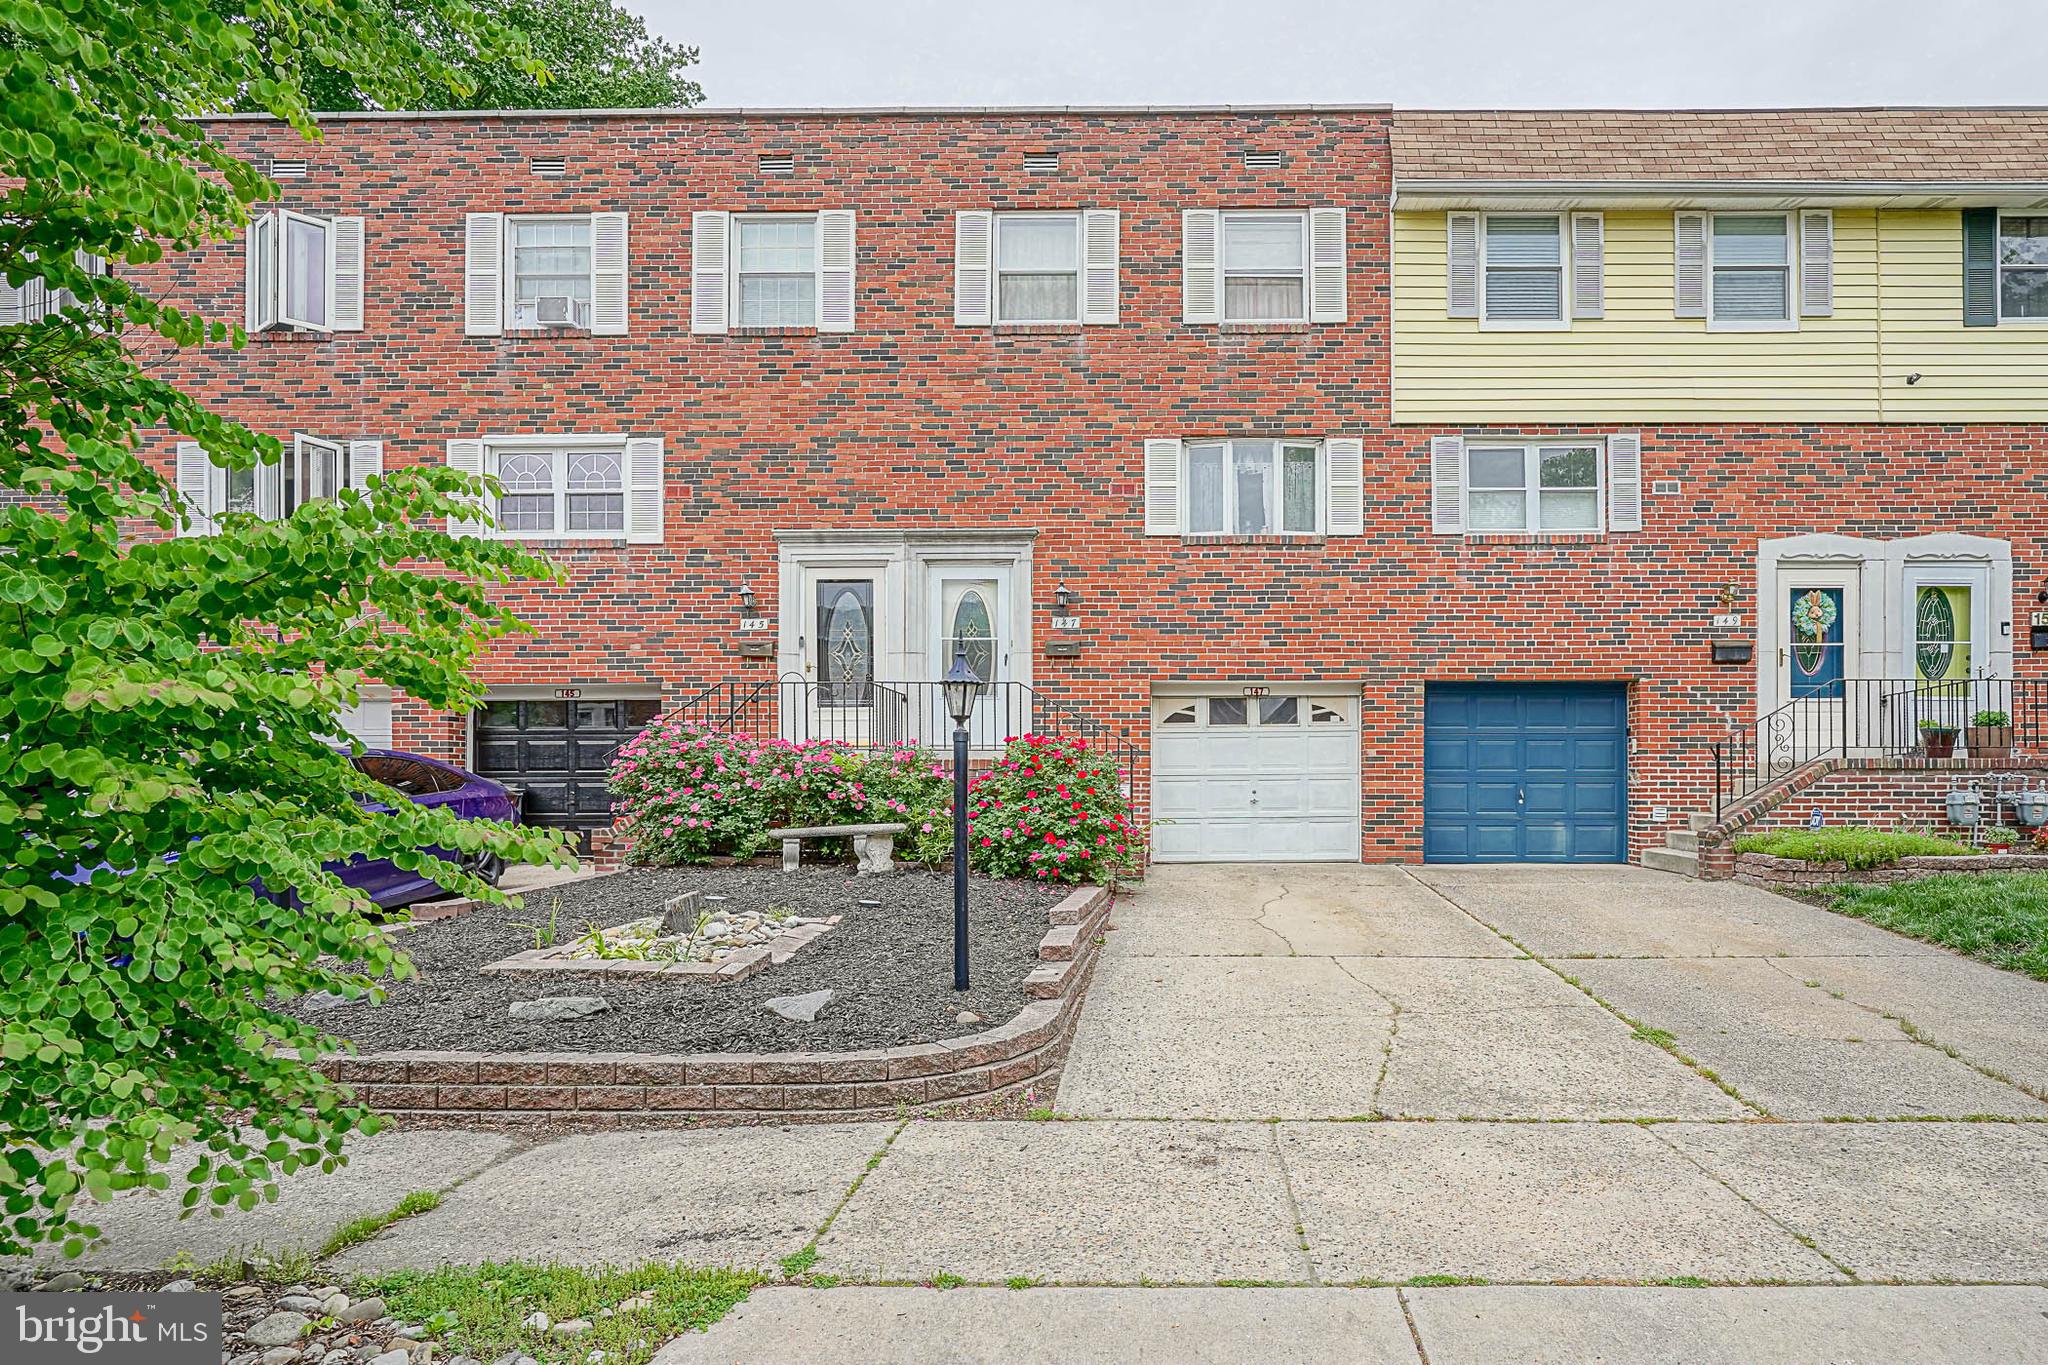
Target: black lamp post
{"x":962,"y":686}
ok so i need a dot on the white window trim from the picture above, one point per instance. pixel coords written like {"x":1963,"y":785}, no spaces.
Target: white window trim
{"x":996,"y":271}
{"x":564,"y":445}
{"x":1532,"y":490}
{"x":1280,"y":445}
{"x":1997,"y":236}
{"x":509,"y":263}
{"x":1790,"y":323}
{"x":732,"y":268}
{"x":1563,"y":321}
{"x":1223,"y":272}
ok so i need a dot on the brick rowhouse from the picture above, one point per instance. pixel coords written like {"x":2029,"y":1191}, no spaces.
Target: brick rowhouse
{"x":912,"y":422}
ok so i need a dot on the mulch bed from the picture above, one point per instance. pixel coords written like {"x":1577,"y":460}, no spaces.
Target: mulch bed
{"x":891,"y":965}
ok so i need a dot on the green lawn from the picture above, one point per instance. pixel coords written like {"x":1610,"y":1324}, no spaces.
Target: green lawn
{"x":478,"y":1311}
{"x":2000,"y":918}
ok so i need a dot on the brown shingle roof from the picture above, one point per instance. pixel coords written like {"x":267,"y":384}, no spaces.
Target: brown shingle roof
{"x":1759,"y":144}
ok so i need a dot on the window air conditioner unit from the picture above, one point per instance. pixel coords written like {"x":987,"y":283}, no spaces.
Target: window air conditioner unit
{"x":559,"y":310}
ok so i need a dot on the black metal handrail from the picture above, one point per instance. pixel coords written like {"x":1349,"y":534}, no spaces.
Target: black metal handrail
{"x":1871,"y":718}
{"x":873,"y":714}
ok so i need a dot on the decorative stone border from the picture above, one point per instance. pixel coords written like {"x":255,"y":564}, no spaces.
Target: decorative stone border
{"x":737,"y":965}
{"x":619,"y":1089}
{"x":1761,"y":869}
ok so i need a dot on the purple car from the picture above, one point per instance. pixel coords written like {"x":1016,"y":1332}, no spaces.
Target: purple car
{"x":427,"y":782}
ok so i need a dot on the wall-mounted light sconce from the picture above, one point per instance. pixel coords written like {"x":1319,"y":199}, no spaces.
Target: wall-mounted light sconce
{"x":745,"y":593}
{"x":1728,"y":596}
{"x":1064,"y":597}
{"x":1913,"y":378}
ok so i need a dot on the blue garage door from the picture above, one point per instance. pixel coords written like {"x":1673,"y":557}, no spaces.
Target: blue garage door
{"x":1525,"y":772}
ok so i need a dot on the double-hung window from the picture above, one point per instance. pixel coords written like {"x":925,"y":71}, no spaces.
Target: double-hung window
{"x":304,"y":272}
{"x":1749,"y":259}
{"x":547,"y":279}
{"x":1038,"y":267}
{"x":312,"y":468}
{"x":1524,"y":262}
{"x":563,"y":494}
{"x":2023,"y":267}
{"x":1536,"y":487}
{"x":1253,"y":488}
{"x":1265,"y":267}
{"x":775,"y":270}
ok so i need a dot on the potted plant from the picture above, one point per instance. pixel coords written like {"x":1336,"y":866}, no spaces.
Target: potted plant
{"x":1989,"y":735}
{"x":1938,"y":738}
{"x":1999,"y":839}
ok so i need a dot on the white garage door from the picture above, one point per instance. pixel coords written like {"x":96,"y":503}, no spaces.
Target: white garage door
{"x":1255,"y":779}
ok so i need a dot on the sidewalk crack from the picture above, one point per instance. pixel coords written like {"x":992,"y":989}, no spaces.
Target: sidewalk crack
{"x":1308,"y":1258}
{"x":1809,"y":1243}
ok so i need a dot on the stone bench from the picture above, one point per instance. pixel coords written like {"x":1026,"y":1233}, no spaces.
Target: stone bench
{"x":874,"y":846}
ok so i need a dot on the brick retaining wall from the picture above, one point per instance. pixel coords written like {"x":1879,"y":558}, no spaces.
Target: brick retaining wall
{"x":612,"y":1089}
{"x":1761,"y":869}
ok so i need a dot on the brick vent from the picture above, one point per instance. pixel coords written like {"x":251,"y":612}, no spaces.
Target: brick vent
{"x":606,"y":1090}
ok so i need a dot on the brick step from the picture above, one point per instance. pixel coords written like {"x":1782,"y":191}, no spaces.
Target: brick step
{"x":1672,"y":860}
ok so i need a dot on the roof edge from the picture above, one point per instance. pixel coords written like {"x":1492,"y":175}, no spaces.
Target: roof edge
{"x":842,"y":111}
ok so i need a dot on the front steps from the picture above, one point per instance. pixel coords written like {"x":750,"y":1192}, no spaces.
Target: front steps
{"x":1681,"y":851}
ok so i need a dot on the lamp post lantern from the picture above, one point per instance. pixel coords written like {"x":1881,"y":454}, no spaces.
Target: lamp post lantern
{"x":962,"y":686}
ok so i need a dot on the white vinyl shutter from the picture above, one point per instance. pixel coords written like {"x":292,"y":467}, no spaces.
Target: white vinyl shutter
{"x":973,"y":267}
{"x":1461,"y":265}
{"x":710,"y":276}
{"x":643,"y":490}
{"x":483,"y":275}
{"x":1689,"y":265}
{"x":195,"y":487}
{"x":609,"y":265}
{"x":1162,"y":488}
{"x":263,"y":273}
{"x":1447,"y":485}
{"x":1326,"y":291}
{"x":468,"y":457}
{"x":11,"y":309}
{"x":1625,"y":482}
{"x":835,"y":270}
{"x":365,"y":462}
{"x":345,"y":304}
{"x":1101,"y":283}
{"x":1344,"y":486}
{"x":1589,"y":265}
{"x":1201,"y":268}
{"x":1817,"y":263}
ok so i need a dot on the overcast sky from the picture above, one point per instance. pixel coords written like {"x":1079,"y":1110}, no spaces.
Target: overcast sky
{"x":1442,"y":54}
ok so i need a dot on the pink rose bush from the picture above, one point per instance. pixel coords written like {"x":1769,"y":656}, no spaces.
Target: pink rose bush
{"x":682,"y":794}
{"x":1050,"y":809}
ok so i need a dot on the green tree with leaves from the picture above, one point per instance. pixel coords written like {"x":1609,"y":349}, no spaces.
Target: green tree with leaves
{"x":169,"y":795}
{"x":596,"y":54}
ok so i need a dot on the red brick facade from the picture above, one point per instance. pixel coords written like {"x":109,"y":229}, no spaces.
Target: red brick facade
{"x":912,"y":422}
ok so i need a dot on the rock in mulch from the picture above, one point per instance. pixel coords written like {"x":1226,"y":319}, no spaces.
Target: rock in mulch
{"x":279,"y":1329}
{"x":366,"y":1310}
{"x":558,"y":1008}
{"x":800,"y":1009}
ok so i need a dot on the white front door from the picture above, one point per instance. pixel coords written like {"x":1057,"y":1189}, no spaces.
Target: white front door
{"x":1255,"y":779}
{"x":970,"y":615}
{"x":841,"y":632}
